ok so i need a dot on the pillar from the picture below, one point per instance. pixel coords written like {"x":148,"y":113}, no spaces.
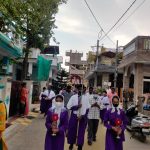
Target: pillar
{"x":105,"y":80}
{"x":95,"y":80}
{"x":138,"y":81}
{"x":30,"y":88}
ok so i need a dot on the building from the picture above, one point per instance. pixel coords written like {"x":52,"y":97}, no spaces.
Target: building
{"x":9,"y":51}
{"x":136,"y":66}
{"x":101,"y":69}
{"x":77,"y":67}
{"x":42,"y":68}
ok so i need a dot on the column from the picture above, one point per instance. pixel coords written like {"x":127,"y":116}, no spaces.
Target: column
{"x":105,"y":80}
{"x":138,"y":81}
{"x":30,"y":88}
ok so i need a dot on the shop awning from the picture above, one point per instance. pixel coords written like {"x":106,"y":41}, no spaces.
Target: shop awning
{"x":8,"y":48}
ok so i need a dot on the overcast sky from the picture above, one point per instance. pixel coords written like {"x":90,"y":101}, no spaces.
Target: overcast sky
{"x":77,"y":30}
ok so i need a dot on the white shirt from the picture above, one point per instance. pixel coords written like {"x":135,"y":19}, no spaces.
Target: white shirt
{"x":50,"y":94}
{"x":94,"y":112}
{"x":105,"y":100}
{"x":73,"y":101}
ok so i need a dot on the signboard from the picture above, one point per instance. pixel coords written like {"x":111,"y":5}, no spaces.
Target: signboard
{"x":51,"y":50}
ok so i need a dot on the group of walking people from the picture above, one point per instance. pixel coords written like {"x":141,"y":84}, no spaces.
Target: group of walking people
{"x":70,"y":113}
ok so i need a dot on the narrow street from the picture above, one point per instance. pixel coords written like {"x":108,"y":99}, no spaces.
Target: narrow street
{"x":32,"y":137}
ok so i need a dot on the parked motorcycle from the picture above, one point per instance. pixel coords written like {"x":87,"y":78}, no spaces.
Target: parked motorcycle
{"x":138,"y":124}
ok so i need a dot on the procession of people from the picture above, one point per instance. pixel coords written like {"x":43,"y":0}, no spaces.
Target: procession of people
{"x":71,"y":113}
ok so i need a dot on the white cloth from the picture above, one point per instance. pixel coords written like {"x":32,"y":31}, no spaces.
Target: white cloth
{"x":50,"y":94}
{"x":94,"y":112}
{"x":40,"y":97}
{"x":57,"y":110}
{"x":105,"y":100}
{"x":73,"y":101}
{"x":115,"y":108}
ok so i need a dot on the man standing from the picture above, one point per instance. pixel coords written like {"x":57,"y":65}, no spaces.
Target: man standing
{"x":104,"y":105}
{"x":93,"y":116}
{"x":67,"y":95}
{"x":79,"y":105}
{"x":111,"y":94}
{"x":50,"y":95}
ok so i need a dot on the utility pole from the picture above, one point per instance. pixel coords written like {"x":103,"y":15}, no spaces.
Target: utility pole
{"x":96,"y":65}
{"x":116,"y":67}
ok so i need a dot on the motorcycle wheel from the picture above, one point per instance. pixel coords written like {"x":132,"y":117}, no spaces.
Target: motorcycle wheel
{"x":142,"y":138}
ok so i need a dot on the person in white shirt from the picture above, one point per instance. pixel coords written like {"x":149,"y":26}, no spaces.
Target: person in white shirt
{"x":104,"y":105}
{"x":79,"y":106}
{"x":50,"y":95}
{"x":93,"y":115}
{"x":42,"y":100}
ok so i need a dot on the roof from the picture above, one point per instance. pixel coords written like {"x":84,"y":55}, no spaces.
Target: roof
{"x":142,"y":56}
{"x":135,"y":39}
{"x":108,"y":54}
{"x":9,"y":47}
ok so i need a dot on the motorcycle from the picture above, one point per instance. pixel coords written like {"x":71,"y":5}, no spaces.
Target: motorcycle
{"x":138,"y":124}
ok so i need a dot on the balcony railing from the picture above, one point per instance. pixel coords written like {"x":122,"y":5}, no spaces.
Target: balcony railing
{"x":78,"y":72}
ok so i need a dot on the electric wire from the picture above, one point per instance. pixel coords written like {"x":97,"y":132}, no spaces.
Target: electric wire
{"x":131,"y":14}
{"x":98,"y":22}
{"x":118,"y":20}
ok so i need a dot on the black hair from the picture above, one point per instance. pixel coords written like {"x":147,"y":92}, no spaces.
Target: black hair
{"x":91,"y":88}
{"x":69,"y":87}
{"x":44,"y":88}
{"x":104,"y":91}
{"x":112,"y":88}
{"x":115,"y":97}
{"x":60,"y":96}
{"x":23,"y":84}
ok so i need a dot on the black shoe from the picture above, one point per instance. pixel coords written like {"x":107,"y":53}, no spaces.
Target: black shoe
{"x":89,"y":143}
{"x":79,"y":147}
{"x":94,"y":139}
{"x":71,"y":147}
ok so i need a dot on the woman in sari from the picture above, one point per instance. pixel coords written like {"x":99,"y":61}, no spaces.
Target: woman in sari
{"x":3,"y":117}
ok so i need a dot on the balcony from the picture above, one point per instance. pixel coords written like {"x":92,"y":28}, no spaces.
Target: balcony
{"x":101,"y":68}
{"x":105,"y":68}
{"x":78,"y":72}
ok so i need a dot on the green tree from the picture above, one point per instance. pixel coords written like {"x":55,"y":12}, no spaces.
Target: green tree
{"x":61,"y":79}
{"x":34,"y":20}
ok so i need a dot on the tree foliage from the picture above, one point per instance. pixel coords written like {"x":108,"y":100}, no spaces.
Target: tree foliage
{"x":34,"y":20}
{"x":61,"y":80}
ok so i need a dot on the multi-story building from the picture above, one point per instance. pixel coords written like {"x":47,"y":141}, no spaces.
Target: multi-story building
{"x":101,"y":69}
{"x":136,"y":66}
{"x":76,"y":67}
{"x":9,"y":51}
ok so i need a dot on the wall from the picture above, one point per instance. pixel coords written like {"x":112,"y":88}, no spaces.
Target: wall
{"x":6,"y":91}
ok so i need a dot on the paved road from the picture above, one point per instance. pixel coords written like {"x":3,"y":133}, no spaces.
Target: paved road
{"x":32,"y":137}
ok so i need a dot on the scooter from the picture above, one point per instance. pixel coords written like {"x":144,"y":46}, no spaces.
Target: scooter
{"x":138,"y":124}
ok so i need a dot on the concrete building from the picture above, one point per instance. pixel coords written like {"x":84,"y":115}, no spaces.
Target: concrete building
{"x":9,"y":51}
{"x":100,"y":72}
{"x":76,"y":67}
{"x":136,"y":66}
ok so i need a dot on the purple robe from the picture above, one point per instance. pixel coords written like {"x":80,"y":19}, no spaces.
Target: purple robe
{"x":43,"y":104}
{"x":112,"y":143}
{"x":56,"y":142}
{"x":102,"y":113}
{"x":74,"y":123}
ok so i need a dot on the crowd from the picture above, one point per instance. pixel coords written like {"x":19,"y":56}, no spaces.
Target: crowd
{"x":71,"y":112}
